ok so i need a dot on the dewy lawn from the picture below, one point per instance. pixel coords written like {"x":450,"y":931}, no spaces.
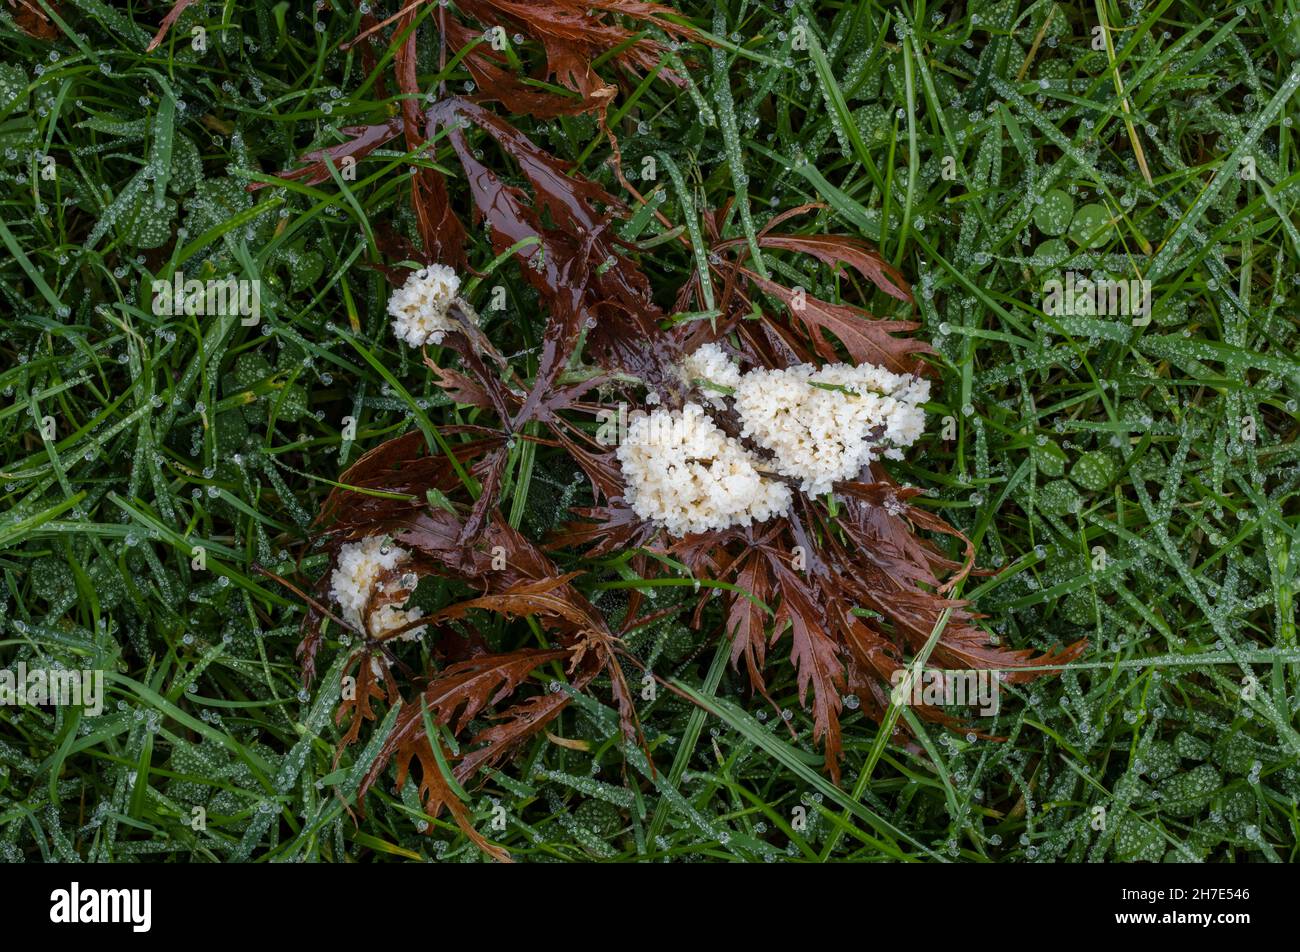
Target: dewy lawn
{"x":605,"y":431}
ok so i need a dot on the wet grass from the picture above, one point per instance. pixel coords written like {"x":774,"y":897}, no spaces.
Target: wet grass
{"x":1132,"y":483}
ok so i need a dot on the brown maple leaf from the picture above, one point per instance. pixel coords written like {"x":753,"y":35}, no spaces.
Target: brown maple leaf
{"x":35,"y":22}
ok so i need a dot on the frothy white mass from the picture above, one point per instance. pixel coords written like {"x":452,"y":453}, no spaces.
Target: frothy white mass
{"x":820,"y":425}
{"x":362,"y":576}
{"x":419,"y":307}
{"x":686,"y":474}
{"x":712,"y":364}
{"x":824,"y":424}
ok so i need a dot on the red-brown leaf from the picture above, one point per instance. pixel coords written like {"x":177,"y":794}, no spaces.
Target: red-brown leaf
{"x":436,"y":792}
{"x":835,"y":250}
{"x":168,"y":21}
{"x":866,"y":338}
{"x":747,"y":619}
{"x":816,"y":658}
{"x":463,"y":690}
{"x":361,"y":141}
{"x":545,"y":596}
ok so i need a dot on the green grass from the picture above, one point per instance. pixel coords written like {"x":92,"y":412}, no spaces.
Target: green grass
{"x":1134,"y":485}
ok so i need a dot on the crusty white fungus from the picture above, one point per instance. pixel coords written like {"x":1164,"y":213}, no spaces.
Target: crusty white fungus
{"x":684,"y":473}
{"x":712,"y":364}
{"x":419,"y":307}
{"x":816,"y":425}
{"x":359,"y":579}
{"x":818,"y":422}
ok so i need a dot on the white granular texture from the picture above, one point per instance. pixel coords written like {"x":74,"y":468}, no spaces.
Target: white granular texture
{"x":684,"y":473}
{"x":713,"y":364}
{"x":419,"y":307}
{"x":819,"y":435}
{"x":357,"y":581}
